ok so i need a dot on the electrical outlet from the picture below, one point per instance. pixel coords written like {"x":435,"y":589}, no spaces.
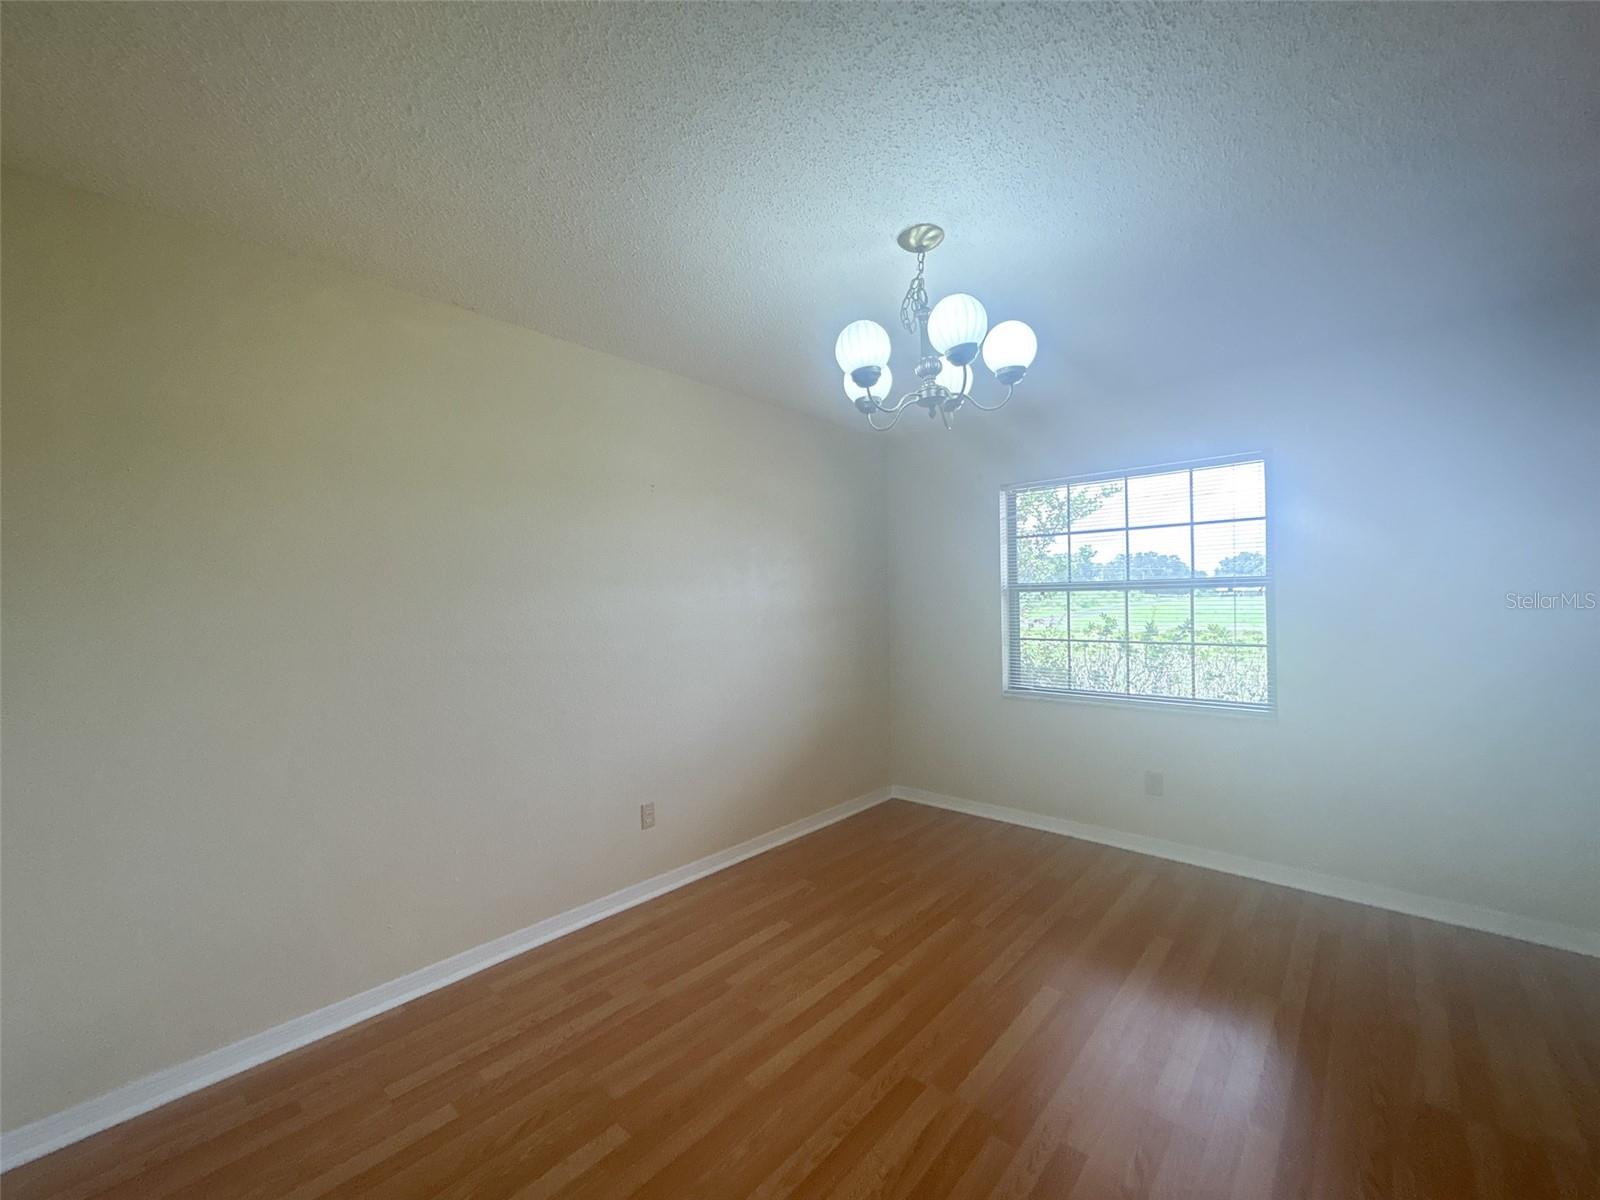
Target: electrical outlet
{"x":647,"y":816}
{"x":1155,"y":784}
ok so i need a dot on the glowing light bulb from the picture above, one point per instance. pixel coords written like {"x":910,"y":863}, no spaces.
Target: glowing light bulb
{"x":956,"y":327}
{"x":1009,"y":350}
{"x":861,"y":344}
{"x":953,"y":378}
{"x":880,"y":390}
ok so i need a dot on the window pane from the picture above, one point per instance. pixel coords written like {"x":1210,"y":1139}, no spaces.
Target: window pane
{"x":1238,"y":674}
{"x":1097,"y":615}
{"x":1044,"y":664}
{"x":1230,"y":614}
{"x":1233,"y":548}
{"x":1042,"y":510}
{"x":1098,"y":556}
{"x":1158,"y":499}
{"x":1230,"y":492}
{"x":1161,"y":671}
{"x":1157,"y":616}
{"x":1042,"y":614}
{"x":1100,"y":505}
{"x":1097,"y":667}
{"x":1042,"y":559}
{"x":1159,"y":553}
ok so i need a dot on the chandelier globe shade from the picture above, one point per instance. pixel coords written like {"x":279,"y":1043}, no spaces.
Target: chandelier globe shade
{"x":878,"y":390}
{"x":1009,"y":350}
{"x":862,"y":351}
{"x":956,"y":327}
{"x":952,"y":378}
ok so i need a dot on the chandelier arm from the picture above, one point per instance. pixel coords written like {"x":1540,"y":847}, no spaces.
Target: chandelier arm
{"x":991,"y":407}
{"x":894,"y":415}
{"x":900,"y":407}
{"x":888,"y":409}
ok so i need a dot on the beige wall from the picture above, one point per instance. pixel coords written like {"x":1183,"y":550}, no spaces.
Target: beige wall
{"x":344,"y":631}
{"x":1428,"y":738}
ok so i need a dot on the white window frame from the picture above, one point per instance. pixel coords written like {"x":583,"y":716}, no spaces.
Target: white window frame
{"x":1010,"y":590}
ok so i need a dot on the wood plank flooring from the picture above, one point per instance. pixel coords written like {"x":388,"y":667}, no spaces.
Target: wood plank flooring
{"x":915,"y":1003}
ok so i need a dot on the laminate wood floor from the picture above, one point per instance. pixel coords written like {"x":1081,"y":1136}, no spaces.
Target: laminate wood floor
{"x":918,"y":1003}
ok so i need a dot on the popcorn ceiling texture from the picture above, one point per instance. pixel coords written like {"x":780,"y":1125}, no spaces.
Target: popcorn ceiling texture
{"x":1160,"y":191}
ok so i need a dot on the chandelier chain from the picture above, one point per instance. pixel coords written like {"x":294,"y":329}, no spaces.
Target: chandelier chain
{"x":916,"y":297}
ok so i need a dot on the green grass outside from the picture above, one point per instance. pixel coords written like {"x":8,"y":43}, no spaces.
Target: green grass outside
{"x":1220,"y":615}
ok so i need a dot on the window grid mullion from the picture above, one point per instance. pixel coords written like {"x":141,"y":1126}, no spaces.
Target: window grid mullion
{"x":1055,"y":533}
{"x":1140,"y":642}
{"x":1014,"y":603}
{"x":1194,"y":655}
{"x":1127,"y":638}
{"x":1164,"y":584}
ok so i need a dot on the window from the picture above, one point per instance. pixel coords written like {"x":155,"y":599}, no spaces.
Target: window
{"x":1149,"y":585}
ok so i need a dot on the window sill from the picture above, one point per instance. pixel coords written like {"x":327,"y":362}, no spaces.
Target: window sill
{"x":1145,"y":703}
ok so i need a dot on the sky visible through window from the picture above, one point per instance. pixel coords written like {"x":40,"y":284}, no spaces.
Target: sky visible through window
{"x":1149,"y":585}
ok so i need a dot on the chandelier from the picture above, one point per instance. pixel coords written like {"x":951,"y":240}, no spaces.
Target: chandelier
{"x":951,"y":333}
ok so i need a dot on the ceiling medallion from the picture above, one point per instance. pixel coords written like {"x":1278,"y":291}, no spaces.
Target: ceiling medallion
{"x":951,"y":333}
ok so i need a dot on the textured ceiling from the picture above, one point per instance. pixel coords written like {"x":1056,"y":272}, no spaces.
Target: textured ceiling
{"x":1161,"y":191}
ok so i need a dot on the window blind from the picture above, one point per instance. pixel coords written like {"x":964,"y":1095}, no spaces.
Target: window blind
{"x":1150,"y":585}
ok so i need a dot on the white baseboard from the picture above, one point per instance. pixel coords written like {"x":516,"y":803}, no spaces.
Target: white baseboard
{"x":28,"y":1142}
{"x":1489,"y":920}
